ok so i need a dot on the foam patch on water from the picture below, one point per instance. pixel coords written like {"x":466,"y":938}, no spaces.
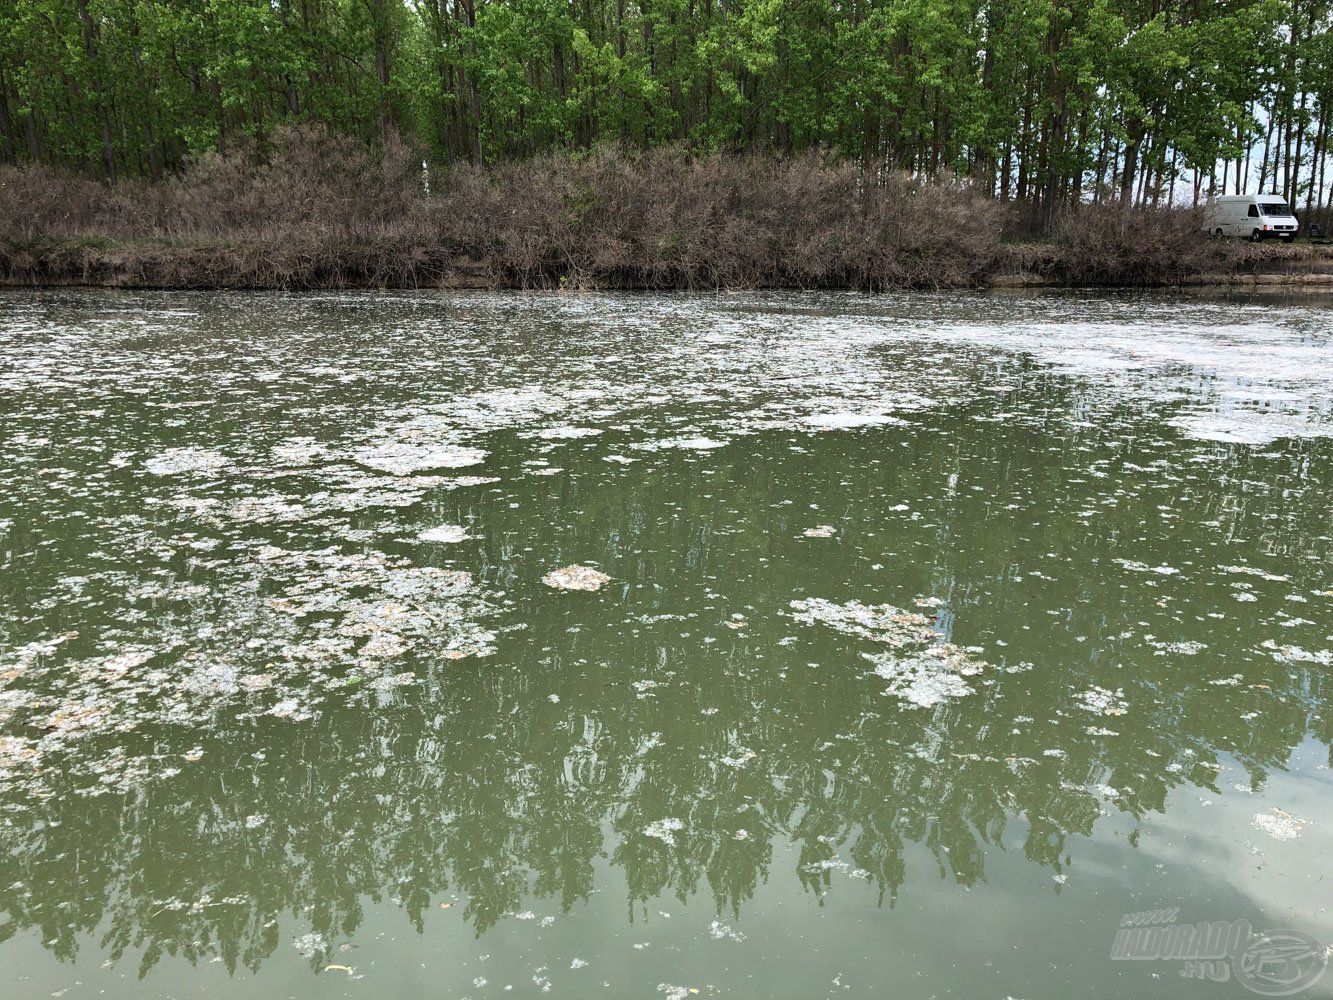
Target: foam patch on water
{"x":1138,"y":567}
{"x":576,"y":577}
{"x":924,"y":679}
{"x":186,"y":461}
{"x":1278,"y":824}
{"x":696,"y":443}
{"x":719,"y":931}
{"x":566,"y":432}
{"x":447,"y":534}
{"x":402,"y":458}
{"x":841,"y":421}
{"x":1240,"y":374}
{"x":664,"y":830}
{"x":1295,"y":654}
{"x":329,"y":619}
{"x":921,"y":667}
{"x":1101,"y":701}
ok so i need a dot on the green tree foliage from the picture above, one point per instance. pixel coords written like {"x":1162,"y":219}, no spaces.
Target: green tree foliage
{"x":1048,"y":101}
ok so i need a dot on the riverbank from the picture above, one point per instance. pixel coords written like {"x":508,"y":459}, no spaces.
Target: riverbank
{"x":1298,"y":266}
{"x":320,"y":212}
{"x":268,"y":265}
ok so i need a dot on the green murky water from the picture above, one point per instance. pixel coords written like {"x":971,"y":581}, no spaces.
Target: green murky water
{"x":940,"y":633}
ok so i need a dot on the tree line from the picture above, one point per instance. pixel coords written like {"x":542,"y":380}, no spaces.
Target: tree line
{"x":1052,"y":102}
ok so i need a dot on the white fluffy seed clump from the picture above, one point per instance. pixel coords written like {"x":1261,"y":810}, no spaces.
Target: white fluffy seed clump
{"x":921,"y":667}
{"x":576,"y":577}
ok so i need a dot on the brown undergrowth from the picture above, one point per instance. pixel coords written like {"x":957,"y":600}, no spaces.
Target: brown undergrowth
{"x":322,"y":211}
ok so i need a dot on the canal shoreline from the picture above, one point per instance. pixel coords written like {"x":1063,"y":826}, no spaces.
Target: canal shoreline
{"x":160,"y":264}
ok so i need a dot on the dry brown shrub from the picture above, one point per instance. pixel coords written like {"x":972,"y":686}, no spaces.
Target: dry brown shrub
{"x":665,"y":218}
{"x":320,"y":210}
{"x":37,"y":202}
{"x":1113,"y":245}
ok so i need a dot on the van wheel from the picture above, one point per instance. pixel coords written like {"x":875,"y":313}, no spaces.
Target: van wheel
{"x":1255,"y":237}
{"x":1218,"y":232}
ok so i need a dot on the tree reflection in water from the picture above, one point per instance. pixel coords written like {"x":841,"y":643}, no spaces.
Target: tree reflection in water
{"x":1036,"y":517}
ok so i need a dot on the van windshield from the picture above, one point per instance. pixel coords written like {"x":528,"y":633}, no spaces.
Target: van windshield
{"x":1274,"y":208}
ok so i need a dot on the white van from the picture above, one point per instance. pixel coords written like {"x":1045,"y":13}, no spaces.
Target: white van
{"x":1252,"y":216}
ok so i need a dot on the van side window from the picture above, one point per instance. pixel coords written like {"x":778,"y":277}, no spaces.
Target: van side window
{"x":1254,"y":211}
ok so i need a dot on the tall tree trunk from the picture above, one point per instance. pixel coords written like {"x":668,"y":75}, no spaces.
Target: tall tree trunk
{"x":1103,"y":152}
{"x":380,"y":31}
{"x":99,"y":90}
{"x":1320,"y":154}
{"x":474,"y":98}
{"x":1295,"y":192}
{"x":148,"y":110}
{"x":1249,"y":150}
{"x":1131,"y":160}
{"x":34,"y":139}
{"x":1326,"y":197}
{"x":1263,"y":161}
{"x":7,"y":123}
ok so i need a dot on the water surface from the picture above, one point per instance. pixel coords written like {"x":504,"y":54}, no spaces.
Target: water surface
{"x":940,"y":632}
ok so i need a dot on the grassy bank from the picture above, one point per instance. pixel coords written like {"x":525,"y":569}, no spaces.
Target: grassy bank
{"x":323,"y":212}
